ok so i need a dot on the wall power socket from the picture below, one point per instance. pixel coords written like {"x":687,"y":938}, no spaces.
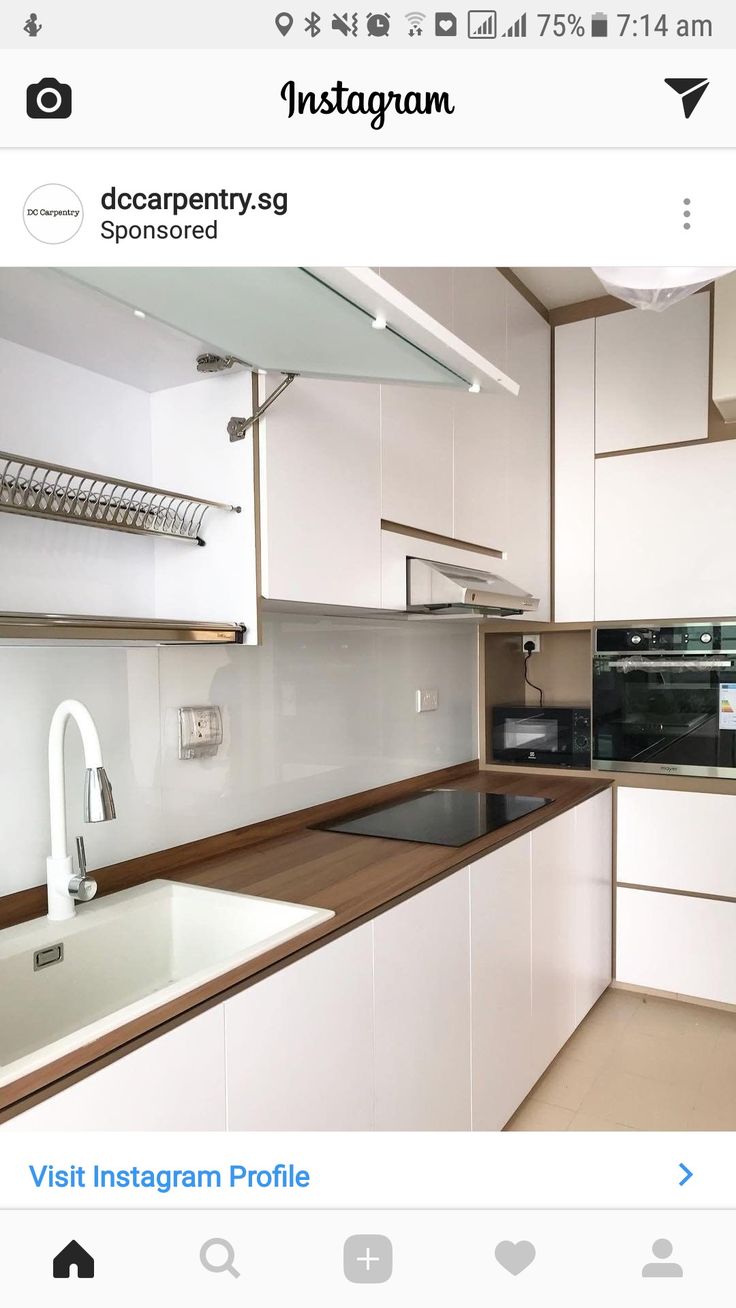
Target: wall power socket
{"x":529,"y":640}
{"x":428,"y":700}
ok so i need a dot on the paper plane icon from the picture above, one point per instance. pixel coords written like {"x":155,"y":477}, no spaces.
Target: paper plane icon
{"x":690,"y":90}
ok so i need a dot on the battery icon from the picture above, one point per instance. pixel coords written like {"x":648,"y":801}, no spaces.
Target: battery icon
{"x":599,"y":25}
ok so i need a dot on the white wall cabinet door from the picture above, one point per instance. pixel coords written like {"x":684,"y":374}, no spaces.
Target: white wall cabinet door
{"x":528,"y":542}
{"x":575,"y":471}
{"x":174,"y":1083}
{"x":321,"y":495}
{"x":416,"y":457}
{"x":652,"y":376}
{"x":422,"y":1011}
{"x":417,"y":423}
{"x":300,"y":1043}
{"x":664,"y":544}
{"x":502,"y":476}
{"x":500,"y":934}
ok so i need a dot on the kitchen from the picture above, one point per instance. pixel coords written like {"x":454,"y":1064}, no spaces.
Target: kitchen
{"x":414,"y":474}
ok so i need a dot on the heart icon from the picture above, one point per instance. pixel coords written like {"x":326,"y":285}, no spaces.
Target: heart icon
{"x":515,"y":1258}
{"x":445,"y":24}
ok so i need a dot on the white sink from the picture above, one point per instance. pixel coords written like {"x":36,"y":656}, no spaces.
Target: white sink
{"x":124,"y":955}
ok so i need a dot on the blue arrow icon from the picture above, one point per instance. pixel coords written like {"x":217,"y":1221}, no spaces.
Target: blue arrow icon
{"x":687,"y":1175}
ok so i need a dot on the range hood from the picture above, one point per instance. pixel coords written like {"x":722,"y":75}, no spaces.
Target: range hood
{"x":450,"y":588}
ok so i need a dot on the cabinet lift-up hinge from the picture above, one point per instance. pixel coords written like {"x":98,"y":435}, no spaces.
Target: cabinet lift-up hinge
{"x":237,"y":428}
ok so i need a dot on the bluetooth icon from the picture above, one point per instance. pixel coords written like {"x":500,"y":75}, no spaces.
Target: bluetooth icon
{"x":312,"y":24}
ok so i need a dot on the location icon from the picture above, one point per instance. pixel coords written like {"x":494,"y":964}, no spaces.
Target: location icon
{"x":284,"y":22}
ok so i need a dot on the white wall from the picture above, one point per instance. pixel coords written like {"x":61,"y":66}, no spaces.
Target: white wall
{"x":325,"y":708}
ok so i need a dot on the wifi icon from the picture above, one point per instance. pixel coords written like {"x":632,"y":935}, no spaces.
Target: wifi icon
{"x":416,"y":22}
{"x":690,"y":90}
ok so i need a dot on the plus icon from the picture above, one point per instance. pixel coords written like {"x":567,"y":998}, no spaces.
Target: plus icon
{"x":368,"y":1259}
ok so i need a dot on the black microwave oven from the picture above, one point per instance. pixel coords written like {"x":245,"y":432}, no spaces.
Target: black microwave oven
{"x":541,"y":737}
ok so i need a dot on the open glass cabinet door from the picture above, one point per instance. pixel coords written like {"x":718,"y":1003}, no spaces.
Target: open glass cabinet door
{"x":312,"y":322}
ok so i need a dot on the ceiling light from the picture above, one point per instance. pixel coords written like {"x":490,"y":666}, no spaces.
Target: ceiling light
{"x":656,"y":288}
{"x":138,"y":313}
{"x":379,"y":323}
{"x":474,"y":388}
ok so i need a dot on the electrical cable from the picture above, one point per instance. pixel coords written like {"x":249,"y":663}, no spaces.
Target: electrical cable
{"x":538,"y":689}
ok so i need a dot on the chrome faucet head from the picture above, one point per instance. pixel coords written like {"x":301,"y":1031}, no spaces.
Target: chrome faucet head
{"x":99,"y":805}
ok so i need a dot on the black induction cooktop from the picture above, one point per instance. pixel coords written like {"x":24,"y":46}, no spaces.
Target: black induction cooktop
{"x":439,"y":817}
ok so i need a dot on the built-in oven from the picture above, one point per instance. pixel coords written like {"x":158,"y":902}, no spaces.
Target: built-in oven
{"x":664,"y":699}
{"x":541,"y":737}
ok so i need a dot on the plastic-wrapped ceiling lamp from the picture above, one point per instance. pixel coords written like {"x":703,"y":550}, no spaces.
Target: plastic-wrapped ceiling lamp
{"x":656,"y":288}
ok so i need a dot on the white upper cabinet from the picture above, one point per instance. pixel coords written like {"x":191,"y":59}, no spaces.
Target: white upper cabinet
{"x":724,"y":347}
{"x":482,"y":508}
{"x":417,"y":424}
{"x":502,"y":443}
{"x":575,"y":471}
{"x":321,"y":495}
{"x":528,"y":473}
{"x":664,"y":535}
{"x":652,"y":376}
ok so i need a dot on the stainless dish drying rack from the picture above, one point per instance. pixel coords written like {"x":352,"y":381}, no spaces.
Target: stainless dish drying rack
{"x":39,"y":489}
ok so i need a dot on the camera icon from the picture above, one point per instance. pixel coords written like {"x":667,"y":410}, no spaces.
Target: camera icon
{"x":49,"y":99}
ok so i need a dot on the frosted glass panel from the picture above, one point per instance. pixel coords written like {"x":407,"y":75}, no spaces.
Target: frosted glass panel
{"x":278,"y":319}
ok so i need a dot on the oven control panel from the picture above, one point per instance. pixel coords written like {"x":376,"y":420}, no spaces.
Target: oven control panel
{"x":691,"y":638}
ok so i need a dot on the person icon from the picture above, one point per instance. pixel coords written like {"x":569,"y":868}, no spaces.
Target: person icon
{"x":662,"y":1249}
{"x":32,"y":27}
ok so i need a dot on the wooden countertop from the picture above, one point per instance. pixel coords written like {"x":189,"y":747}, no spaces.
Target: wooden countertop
{"x":355,"y":876}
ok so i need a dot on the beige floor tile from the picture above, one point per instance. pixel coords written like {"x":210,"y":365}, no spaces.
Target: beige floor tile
{"x":595,"y":1044}
{"x":674,"y":1058}
{"x":671,"y":1016}
{"x":536,"y":1116}
{"x":566,"y":1082}
{"x":641,"y":1063}
{"x":713,"y":1113}
{"x":639,"y":1102}
{"x":586,"y":1122}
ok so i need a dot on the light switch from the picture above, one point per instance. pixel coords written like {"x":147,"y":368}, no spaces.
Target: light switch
{"x":428,"y":700}
{"x":200,"y":731}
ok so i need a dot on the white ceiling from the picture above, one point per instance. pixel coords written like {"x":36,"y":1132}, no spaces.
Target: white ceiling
{"x":558,"y":286}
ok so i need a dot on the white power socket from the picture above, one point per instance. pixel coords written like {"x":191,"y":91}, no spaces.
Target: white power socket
{"x":528,"y":640}
{"x":428,"y":700}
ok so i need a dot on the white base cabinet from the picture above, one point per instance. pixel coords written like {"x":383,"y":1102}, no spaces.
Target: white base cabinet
{"x":174,"y":1083}
{"x":682,"y":941}
{"x":677,"y":943}
{"x":501,"y":946}
{"x":439,"y":1015}
{"x":300,"y":1043}
{"x":541,"y":913}
{"x":422,"y":1007}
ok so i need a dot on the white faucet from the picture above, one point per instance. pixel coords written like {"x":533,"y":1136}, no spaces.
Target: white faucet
{"x":63,"y":886}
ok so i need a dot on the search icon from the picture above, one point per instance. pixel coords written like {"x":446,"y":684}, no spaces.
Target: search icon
{"x":224,"y":1263}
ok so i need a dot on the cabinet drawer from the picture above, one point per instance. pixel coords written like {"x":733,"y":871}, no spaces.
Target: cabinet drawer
{"x":677,"y":943}
{"x":676,"y":841}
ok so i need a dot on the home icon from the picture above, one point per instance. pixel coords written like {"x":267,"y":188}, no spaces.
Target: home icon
{"x":74,"y":1256}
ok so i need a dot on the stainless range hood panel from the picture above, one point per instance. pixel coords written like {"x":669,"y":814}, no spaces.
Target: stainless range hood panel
{"x":453,"y":589}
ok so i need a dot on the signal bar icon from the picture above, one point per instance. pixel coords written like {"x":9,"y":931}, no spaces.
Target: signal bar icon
{"x":518,"y":28}
{"x":482,"y":24}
